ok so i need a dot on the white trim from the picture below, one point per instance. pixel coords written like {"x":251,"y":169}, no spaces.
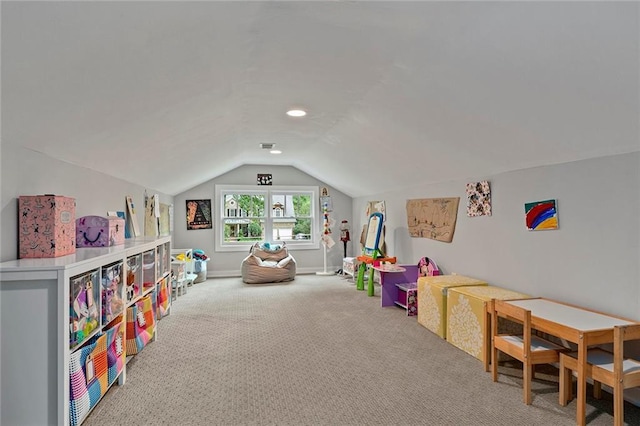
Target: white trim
{"x":267,"y":190}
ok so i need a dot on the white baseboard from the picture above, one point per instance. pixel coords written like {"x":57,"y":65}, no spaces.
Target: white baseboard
{"x":236,"y":273}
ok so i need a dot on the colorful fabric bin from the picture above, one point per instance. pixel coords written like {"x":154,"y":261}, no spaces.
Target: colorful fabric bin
{"x":468,"y":323}
{"x":432,"y":299}
{"x":163,"y":299}
{"x":88,"y":378}
{"x":116,"y":354}
{"x":140,"y":325}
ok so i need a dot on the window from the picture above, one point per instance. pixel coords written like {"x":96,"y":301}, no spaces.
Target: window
{"x":248,"y":214}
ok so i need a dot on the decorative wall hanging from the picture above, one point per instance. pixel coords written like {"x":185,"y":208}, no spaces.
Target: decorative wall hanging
{"x":433,"y":218}
{"x":478,"y":199}
{"x":133,"y":218}
{"x":165,"y":220}
{"x":199,"y":214}
{"x":541,"y":215}
{"x":151,"y":215}
{"x":265,"y":179}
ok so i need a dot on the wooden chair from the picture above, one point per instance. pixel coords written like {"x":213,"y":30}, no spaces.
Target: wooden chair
{"x":610,"y":368}
{"x":526,"y":348}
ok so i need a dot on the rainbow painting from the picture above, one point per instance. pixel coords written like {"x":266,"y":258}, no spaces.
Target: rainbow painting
{"x":541,"y":215}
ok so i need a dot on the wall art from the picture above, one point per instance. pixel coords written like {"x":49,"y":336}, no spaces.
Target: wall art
{"x":265,"y":179}
{"x":541,"y":215}
{"x":199,"y":214}
{"x":433,"y":218}
{"x":478,"y":199}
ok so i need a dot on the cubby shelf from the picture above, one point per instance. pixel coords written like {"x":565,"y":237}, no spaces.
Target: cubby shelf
{"x":36,"y":305}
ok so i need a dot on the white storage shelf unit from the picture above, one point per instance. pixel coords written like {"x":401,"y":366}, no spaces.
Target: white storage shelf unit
{"x":187,"y":256}
{"x":34,"y":319}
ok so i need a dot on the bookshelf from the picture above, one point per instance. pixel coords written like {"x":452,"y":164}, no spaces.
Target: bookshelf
{"x":40,"y":337}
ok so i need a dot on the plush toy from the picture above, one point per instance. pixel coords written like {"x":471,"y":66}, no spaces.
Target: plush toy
{"x":107,"y":297}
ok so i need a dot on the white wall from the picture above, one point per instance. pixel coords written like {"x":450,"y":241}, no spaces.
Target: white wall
{"x":228,"y":263}
{"x":27,"y":172}
{"x":591,"y":260}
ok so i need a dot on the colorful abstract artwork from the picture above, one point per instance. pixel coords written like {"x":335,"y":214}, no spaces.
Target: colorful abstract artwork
{"x":541,"y":215}
{"x":478,"y":199}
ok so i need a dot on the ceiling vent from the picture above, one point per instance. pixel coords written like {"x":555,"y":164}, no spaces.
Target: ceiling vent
{"x":267,"y":145}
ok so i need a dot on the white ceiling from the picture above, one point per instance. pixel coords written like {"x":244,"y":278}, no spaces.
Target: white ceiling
{"x":398,"y":93}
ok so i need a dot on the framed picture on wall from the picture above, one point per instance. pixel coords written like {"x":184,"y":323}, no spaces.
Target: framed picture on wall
{"x":541,"y":215}
{"x":199,"y":214}
{"x":265,"y":179}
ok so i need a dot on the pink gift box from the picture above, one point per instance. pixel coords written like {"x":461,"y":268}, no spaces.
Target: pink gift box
{"x":46,"y":226}
{"x":98,"y":231}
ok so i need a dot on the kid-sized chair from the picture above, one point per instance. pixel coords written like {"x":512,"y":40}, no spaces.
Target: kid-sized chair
{"x":610,"y":368}
{"x":526,"y":348}
{"x":371,"y":252}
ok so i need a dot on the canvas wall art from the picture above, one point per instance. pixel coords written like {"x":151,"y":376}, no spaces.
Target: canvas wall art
{"x":199,"y":214}
{"x":165,"y":220}
{"x":151,"y":215}
{"x":433,"y":218}
{"x":541,"y":215}
{"x":478,"y":199}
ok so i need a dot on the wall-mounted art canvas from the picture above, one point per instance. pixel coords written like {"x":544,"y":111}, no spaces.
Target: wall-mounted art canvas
{"x":199,"y":214}
{"x":478,"y":199}
{"x":541,"y":215}
{"x":151,"y":215}
{"x":165,"y":220}
{"x":433,"y":218}
{"x":265,"y":179}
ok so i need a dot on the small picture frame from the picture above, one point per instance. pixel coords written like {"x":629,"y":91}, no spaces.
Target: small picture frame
{"x":265,"y":179}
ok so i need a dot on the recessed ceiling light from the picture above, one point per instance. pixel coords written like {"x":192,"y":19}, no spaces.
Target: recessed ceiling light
{"x":275,"y":151}
{"x":296,"y":113}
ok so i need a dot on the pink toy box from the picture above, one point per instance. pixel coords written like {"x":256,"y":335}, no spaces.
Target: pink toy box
{"x":98,"y":231}
{"x":46,"y":226}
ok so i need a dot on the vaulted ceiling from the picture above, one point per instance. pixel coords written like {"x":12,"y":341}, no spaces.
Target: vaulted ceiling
{"x":397,"y":93}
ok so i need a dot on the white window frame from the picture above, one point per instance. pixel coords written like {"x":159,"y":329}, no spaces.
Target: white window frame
{"x":267,"y":190}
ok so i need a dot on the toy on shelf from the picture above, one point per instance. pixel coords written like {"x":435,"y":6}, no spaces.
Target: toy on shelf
{"x":112,"y":292}
{"x":148,"y":269}
{"x":134,"y":289}
{"x":84,"y":317}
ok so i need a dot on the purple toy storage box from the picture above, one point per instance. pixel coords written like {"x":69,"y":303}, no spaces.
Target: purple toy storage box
{"x":46,"y":226}
{"x":98,"y":231}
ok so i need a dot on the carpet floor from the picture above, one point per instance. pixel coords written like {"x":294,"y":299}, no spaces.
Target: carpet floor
{"x":315,"y":351}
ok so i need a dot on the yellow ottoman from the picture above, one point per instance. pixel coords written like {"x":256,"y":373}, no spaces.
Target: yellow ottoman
{"x":468,"y":318}
{"x":432,"y":299}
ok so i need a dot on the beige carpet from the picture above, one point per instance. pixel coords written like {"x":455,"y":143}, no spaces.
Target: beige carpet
{"x":316,"y":351}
